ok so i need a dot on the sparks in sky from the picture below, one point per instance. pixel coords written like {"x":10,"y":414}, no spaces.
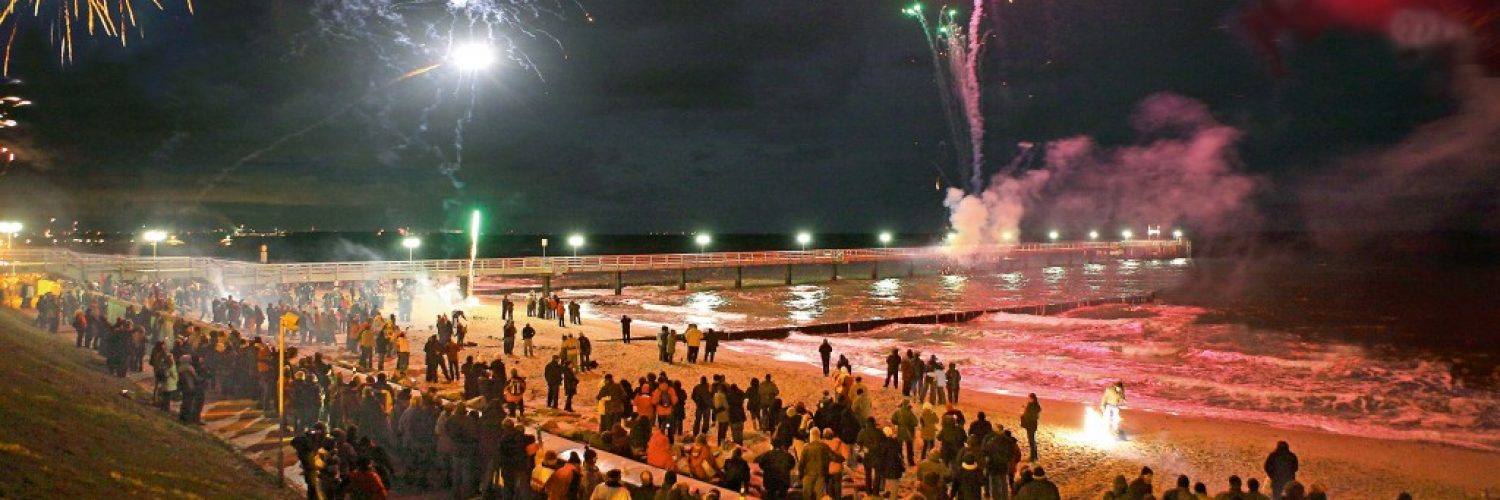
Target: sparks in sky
{"x":66,"y":19}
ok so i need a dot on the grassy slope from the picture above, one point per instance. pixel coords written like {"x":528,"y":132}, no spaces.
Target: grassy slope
{"x":66,"y":431}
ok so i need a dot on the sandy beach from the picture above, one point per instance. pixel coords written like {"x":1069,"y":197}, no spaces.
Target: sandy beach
{"x":1207,"y":450}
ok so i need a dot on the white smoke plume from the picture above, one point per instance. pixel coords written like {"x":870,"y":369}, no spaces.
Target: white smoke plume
{"x":1185,"y":172}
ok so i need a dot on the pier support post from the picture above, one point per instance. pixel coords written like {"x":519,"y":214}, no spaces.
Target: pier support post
{"x":874,"y":270}
{"x":835,"y":272}
{"x":682,"y":280}
{"x":911,"y":268}
{"x":547,"y":285}
{"x":739,"y":277}
{"x":788,"y":274}
{"x":619,"y":282}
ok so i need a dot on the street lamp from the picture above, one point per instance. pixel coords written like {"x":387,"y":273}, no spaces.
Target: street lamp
{"x":885,"y":238}
{"x":1126,"y":235}
{"x":1007,"y":236}
{"x":1093,"y":235}
{"x":411,"y":243}
{"x":575,"y":241}
{"x":803,"y":238}
{"x":1053,"y":235}
{"x":703,"y":240}
{"x":10,"y":228}
{"x":153,"y":237}
{"x":1177,"y":234}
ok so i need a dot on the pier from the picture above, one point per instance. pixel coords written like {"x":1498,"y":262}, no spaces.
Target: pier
{"x":877,"y":262}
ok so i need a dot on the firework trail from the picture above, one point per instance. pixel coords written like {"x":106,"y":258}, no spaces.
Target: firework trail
{"x":63,"y":18}
{"x":959,"y":49}
{"x":397,"y":33}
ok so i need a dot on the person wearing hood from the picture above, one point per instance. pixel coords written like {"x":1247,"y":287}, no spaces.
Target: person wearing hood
{"x":659,"y":450}
{"x":736,"y":475}
{"x":1281,"y":468}
{"x":1038,"y":488}
{"x":1183,"y":491}
{"x":906,"y":427}
{"x":814,"y":465}
{"x":776,"y":472}
{"x":968,"y":476}
{"x":647,"y":489}
{"x":952,"y":437}
{"x":929,"y":428}
{"x":825,"y":352}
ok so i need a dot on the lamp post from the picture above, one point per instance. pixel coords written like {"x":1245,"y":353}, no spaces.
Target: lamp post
{"x":1126,"y":235}
{"x":803,"y":238}
{"x":1176,"y":234}
{"x":1093,"y":235}
{"x":281,"y":404}
{"x":703,"y":239}
{"x":885,"y":238}
{"x":1053,"y":236}
{"x":10,"y":228}
{"x":544,"y":248}
{"x":575,"y":241}
{"x":411,"y":243}
{"x":155,"y":236}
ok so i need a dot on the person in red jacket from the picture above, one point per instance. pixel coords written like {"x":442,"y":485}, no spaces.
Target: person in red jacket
{"x":364,"y":483}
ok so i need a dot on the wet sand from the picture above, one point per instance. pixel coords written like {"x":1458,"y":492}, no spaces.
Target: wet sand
{"x":1207,"y":450}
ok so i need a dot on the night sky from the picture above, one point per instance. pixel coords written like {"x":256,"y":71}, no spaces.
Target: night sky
{"x":668,"y":115}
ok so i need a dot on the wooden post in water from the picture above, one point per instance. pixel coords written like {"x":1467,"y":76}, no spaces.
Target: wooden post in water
{"x":739,"y":276}
{"x":682,"y":280}
{"x":788,"y":274}
{"x":619,"y":282}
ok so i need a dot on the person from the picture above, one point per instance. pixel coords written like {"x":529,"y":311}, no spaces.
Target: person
{"x":364,"y":482}
{"x":661,"y":345}
{"x":776,"y":472}
{"x":1234,"y":492}
{"x":953,"y":378}
{"x":693,"y":337}
{"x":527,"y":333}
{"x":671,"y":346}
{"x":611,"y":489}
{"x":736,"y":474}
{"x":585,"y":352}
{"x":825,"y":351}
{"x":1252,"y":492}
{"x":564,"y":481}
{"x":906,"y":428}
{"x":1039,"y":488}
{"x":403,"y":353}
{"x":570,"y":387}
{"x":1183,"y":491}
{"x":552,"y":375}
{"x":1120,"y":490}
{"x":433,"y":358}
{"x":647,"y":489}
{"x":625,"y":329}
{"x":1030,"y":417}
{"x":507,"y":308}
{"x":814,"y":463}
{"x":575,"y":312}
{"x":515,"y":394}
{"x":893,"y":369}
{"x":1109,"y":405}
{"x":710,"y":345}
{"x":1281,"y":468}
{"x":1140,"y":487}
{"x":508,"y":338}
{"x":969,"y":478}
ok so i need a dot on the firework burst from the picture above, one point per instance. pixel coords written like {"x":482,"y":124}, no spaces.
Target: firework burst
{"x":65,"y":20}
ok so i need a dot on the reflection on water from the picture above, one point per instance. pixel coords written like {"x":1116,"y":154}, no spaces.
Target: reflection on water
{"x":855,"y":299}
{"x":806,"y":303}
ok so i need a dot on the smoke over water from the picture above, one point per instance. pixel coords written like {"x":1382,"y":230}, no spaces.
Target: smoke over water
{"x":1184,"y":172}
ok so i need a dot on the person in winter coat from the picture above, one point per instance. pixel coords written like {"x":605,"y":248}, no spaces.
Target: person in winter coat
{"x":1281,"y":468}
{"x":694,"y":338}
{"x":952,"y":437}
{"x":813,"y":464}
{"x":1119,"y":490}
{"x":1183,"y":491}
{"x":968,"y":477}
{"x":906,"y":427}
{"x":611,"y":489}
{"x":953,"y":378}
{"x":736,"y":472}
{"x":403,"y":353}
{"x":825,"y":352}
{"x":1030,"y":416}
{"x":929,"y":427}
{"x":1140,"y":487}
{"x":659,"y":450}
{"x":564,"y":482}
{"x":886,"y":461}
{"x":364,"y":483}
{"x":710,"y":345}
{"x":1039,"y":488}
{"x":776,"y":472}
{"x":893,"y":369}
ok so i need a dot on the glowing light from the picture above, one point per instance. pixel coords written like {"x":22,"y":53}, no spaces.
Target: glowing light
{"x":1007,"y":236}
{"x":575,"y":241}
{"x":950,"y":237}
{"x":10,"y":227}
{"x":1127,"y":234}
{"x":411,"y":243}
{"x":473,"y":249}
{"x":154,"y":236}
{"x":703,"y":239}
{"x":1093,"y":235}
{"x":1177,"y":234}
{"x":1096,"y":430}
{"x":1053,"y":235}
{"x":803,"y":238}
{"x":885,"y":238}
{"x":472,"y":56}
{"x":113,"y":19}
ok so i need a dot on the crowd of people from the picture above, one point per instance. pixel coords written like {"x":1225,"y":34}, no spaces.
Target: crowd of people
{"x":360,"y":435}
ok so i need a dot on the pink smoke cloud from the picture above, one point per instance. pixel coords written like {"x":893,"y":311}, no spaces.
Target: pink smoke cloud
{"x":1184,"y":173}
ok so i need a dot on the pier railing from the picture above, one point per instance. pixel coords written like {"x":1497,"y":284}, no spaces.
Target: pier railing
{"x":88,"y":265}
